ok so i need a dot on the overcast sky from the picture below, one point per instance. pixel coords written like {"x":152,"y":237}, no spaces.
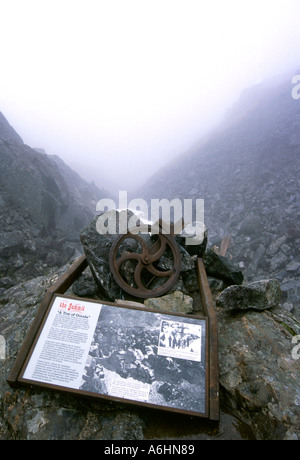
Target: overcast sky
{"x":118,"y":87}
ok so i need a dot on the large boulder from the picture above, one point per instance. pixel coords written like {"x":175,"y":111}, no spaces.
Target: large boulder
{"x":220,"y":267}
{"x":176,"y":302}
{"x":259,"y":295}
{"x":259,"y":375}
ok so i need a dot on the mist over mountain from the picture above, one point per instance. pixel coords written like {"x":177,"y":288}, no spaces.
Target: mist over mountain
{"x":247,"y":172}
{"x":44,"y":204}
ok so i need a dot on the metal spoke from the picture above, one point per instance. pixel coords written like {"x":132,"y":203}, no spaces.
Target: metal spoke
{"x":159,"y":273}
{"x":125,"y":257}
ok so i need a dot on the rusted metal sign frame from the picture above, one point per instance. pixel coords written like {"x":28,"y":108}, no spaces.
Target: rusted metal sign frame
{"x":209,"y":311}
{"x":61,"y":286}
{"x":194,"y":320}
{"x":224,"y":245}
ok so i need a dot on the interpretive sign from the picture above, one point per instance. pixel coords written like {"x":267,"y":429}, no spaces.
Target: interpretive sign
{"x":121,"y":353}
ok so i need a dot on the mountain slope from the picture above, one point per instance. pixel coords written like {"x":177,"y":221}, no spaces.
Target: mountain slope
{"x":43,"y":207}
{"x":248,"y":174}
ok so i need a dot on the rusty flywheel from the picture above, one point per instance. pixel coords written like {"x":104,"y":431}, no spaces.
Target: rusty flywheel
{"x":143,"y":273}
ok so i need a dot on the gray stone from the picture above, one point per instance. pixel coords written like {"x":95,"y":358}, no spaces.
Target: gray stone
{"x":259,"y":378}
{"x":97,"y":249}
{"x":7,"y":132}
{"x":176,"y":302}
{"x":220,"y":267}
{"x":278,"y":261}
{"x":194,"y":249}
{"x":10,"y":243}
{"x":85,"y":286}
{"x":293,"y":267}
{"x":6,"y":282}
{"x":251,"y":225}
{"x":216,"y":285}
{"x":259,"y":295}
{"x":291,"y":290}
{"x":288,"y":306}
{"x":275,"y":245}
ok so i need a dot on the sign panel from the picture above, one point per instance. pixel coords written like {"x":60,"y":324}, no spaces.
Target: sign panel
{"x":121,"y":353}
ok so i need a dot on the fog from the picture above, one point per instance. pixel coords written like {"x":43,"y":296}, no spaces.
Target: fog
{"x":118,"y":88}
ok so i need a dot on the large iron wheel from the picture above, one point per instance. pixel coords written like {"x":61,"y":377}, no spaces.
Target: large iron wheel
{"x":148,"y":278}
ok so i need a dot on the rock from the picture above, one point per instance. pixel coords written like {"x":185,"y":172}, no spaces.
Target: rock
{"x":97,"y":248}
{"x":85,"y":286}
{"x":279,"y":261}
{"x":251,"y":225}
{"x":216,"y":285}
{"x":288,"y":306}
{"x":197,"y":249}
{"x":259,"y":378}
{"x":177,"y":302}
{"x":7,"y":133}
{"x":10,"y":243}
{"x":291,"y":293}
{"x":220,"y":267}
{"x":187,"y":262}
{"x":259,"y":295}
{"x":275,"y":245}
{"x":52,"y":258}
{"x":6,"y":282}
{"x":293,"y":267}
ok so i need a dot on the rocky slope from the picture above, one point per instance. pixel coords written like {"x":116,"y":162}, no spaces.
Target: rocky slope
{"x":247,"y":172}
{"x":259,"y":381}
{"x":43,"y":207}
{"x":258,"y":361}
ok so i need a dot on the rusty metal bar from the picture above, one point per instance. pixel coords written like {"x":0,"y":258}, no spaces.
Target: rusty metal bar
{"x":60,"y":287}
{"x":209,"y":311}
{"x":68,"y":278}
{"x":224,"y":245}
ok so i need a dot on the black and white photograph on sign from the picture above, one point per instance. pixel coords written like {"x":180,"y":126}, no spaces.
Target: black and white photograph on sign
{"x":133,"y":357}
{"x":180,"y":340}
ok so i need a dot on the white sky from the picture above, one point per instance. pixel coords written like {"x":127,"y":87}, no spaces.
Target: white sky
{"x":118,"y":87}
